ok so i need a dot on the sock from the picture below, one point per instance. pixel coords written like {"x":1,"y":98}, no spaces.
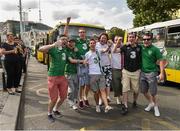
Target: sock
{"x":49,"y":113}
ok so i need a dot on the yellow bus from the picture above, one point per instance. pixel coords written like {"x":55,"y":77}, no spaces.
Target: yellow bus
{"x":91,"y":30}
{"x":169,"y":32}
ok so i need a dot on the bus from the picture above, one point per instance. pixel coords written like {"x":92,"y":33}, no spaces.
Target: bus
{"x":169,"y":33}
{"x":91,"y":31}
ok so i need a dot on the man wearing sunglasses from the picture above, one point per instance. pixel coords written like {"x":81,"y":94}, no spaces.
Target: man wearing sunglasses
{"x":149,"y":72}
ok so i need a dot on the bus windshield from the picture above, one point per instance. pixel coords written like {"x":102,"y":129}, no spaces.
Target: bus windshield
{"x":73,"y":31}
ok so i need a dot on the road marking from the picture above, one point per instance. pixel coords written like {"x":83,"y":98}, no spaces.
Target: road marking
{"x":168,"y":125}
{"x":36,"y":86}
{"x":44,"y":102}
{"x":38,"y":92}
{"x":159,"y":120}
{"x":108,"y":122}
{"x":35,"y":115}
{"x":145,"y":124}
{"x":82,"y":129}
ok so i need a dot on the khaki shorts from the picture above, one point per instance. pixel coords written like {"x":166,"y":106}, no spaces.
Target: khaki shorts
{"x":130,"y":80}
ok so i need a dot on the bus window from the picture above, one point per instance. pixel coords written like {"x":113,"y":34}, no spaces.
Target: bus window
{"x":173,"y":37}
{"x":159,"y":39}
{"x":160,"y":32}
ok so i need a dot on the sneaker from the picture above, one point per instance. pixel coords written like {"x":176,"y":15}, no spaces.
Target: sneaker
{"x":134,"y":104}
{"x":81,"y":105}
{"x":98,"y":109}
{"x":51,"y":118}
{"x":156,"y":111}
{"x":149,"y":107}
{"x":74,"y":107}
{"x":86,"y":103}
{"x":124,"y":110}
{"x":57,"y":114}
{"x":107,"y":109}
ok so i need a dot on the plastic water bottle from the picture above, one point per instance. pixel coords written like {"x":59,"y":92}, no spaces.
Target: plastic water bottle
{"x":158,"y":79}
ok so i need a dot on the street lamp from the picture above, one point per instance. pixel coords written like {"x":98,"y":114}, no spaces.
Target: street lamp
{"x":20,"y":14}
{"x":25,"y":18}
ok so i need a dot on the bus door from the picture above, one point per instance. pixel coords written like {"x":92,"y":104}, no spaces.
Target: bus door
{"x":173,"y":54}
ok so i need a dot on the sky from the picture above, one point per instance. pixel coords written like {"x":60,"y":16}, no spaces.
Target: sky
{"x":108,"y":13}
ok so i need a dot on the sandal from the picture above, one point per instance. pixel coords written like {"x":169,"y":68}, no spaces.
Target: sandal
{"x":10,"y":92}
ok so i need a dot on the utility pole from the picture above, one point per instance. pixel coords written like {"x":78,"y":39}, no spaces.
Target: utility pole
{"x":20,"y":14}
{"x":40,"y":12}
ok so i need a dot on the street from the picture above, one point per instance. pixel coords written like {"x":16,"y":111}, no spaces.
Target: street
{"x":36,"y":100}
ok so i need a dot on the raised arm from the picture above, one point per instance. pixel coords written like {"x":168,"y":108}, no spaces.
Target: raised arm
{"x":46,"y":48}
{"x":104,"y":50}
{"x":66,"y":26}
{"x":117,"y":44}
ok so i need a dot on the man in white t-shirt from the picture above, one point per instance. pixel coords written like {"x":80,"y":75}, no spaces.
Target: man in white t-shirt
{"x":97,"y":79}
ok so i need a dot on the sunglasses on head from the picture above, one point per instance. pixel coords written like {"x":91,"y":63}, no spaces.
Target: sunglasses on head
{"x":146,"y":39}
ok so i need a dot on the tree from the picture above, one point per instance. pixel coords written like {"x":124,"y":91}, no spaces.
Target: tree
{"x":151,"y":11}
{"x":115,"y":31}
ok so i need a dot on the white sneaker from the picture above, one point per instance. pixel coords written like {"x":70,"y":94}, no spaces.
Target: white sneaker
{"x":156,"y":111}
{"x":107,"y":108}
{"x":98,"y":109}
{"x":149,"y":107}
{"x":74,"y":107}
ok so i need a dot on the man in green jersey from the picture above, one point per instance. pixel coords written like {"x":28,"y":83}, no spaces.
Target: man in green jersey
{"x":71,"y":73}
{"x":82,"y":47}
{"x":148,"y":81}
{"x":57,"y":83}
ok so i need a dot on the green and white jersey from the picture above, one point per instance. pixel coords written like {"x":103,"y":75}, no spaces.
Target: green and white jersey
{"x":70,"y":67}
{"x":150,"y":55}
{"x":58,"y":61}
{"x":83,"y":47}
{"x":93,"y":62}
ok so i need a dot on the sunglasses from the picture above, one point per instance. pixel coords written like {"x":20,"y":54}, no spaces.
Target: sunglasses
{"x":82,"y":32}
{"x":146,"y":39}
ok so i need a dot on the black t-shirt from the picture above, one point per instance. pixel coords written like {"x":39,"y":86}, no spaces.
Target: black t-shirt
{"x":12,"y":56}
{"x":132,"y":57}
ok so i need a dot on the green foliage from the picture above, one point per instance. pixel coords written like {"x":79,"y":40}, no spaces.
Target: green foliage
{"x":115,"y":31}
{"x":151,"y":11}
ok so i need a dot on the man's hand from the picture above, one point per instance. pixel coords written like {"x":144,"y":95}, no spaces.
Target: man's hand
{"x":110,"y":42}
{"x":57,"y":43}
{"x":161,"y":77}
{"x":68,"y":20}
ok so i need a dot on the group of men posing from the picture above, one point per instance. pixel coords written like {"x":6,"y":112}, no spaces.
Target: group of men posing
{"x":81,"y":64}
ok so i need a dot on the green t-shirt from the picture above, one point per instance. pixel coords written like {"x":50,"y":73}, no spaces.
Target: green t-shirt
{"x":83,"y":47}
{"x":58,"y":61}
{"x":150,"y":55}
{"x":71,"y":68}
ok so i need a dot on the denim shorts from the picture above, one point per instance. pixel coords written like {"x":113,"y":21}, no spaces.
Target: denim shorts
{"x":83,"y":75}
{"x":148,"y":81}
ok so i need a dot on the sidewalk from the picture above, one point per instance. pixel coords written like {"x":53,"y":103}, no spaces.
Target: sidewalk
{"x":9,"y":108}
